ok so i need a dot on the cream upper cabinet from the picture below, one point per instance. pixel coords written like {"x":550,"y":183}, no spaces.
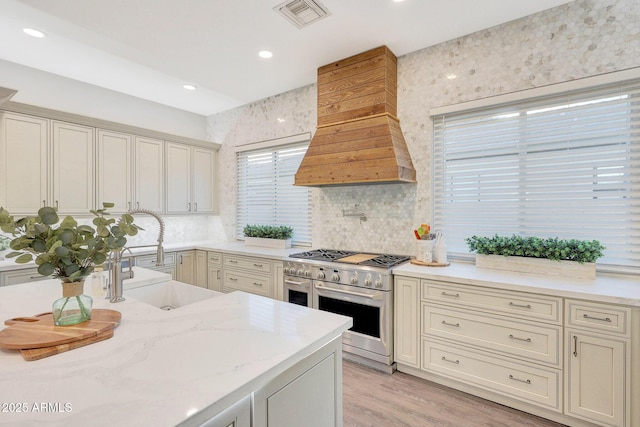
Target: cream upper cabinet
{"x":203,"y":176}
{"x":178,"y":178}
{"x":114,"y":170}
{"x":190,"y":179}
{"x":24,"y":165}
{"x":149,"y":174}
{"x":73,"y":173}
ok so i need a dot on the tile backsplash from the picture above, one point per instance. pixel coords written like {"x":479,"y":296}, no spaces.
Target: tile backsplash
{"x":576,"y":40}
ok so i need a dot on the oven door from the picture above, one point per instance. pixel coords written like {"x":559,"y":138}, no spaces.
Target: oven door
{"x":371,"y":311}
{"x":297,"y":290}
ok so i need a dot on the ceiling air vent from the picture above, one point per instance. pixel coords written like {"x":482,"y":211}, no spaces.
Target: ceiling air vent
{"x":302,"y":12}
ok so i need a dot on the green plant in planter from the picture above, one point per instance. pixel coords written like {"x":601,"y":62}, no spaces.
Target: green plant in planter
{"x":65,"y":249}
{"x":534,"y":247}
{"x":4,"y":243}
{"x":280,"y":232}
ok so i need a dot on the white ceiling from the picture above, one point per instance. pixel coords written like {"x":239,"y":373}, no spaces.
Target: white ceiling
{"x":150,"y":48}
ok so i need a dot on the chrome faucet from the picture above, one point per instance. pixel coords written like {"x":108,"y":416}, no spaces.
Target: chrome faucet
{"x":117,"y":275}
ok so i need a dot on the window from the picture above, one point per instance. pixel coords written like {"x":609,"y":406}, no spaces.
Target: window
{"x":564,"y":166}
{"x":266,"y":194}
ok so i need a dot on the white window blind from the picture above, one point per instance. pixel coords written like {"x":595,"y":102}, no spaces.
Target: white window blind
{"x":266,"y":194}
{"x":564,"y":166}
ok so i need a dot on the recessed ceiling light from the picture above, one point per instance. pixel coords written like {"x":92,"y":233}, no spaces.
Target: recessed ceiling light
{"x":33,"y":32}
{"x":451,"y":76}
{"x":397,"y":1}
{"x":189,"y":87}
{"x":266,"y":54}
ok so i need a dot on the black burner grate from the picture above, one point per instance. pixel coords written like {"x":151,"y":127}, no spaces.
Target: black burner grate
{"x":331,"y":255}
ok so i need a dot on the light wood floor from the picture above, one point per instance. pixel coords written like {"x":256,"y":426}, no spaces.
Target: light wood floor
{"x":376,"y":399}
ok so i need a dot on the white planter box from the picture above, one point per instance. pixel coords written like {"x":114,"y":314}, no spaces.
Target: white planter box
{"x":267,"y":243}
{"x":538,"y":266}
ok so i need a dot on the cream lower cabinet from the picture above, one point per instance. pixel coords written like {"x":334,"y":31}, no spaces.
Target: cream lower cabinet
{"x":572,"y":361}
{"x":601,"y":364}
{"x":14,"y":277}
{"x":249,"y":274}
{"x":151,"y":262}
{"x":215,"y":271}
{"x":186,"y":267}
{"x":201,"y":269}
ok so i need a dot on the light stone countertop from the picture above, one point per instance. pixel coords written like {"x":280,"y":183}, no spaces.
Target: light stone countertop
{"x":606,"y":288}
{"x":237,"y":248}
{"x":160,"y":366}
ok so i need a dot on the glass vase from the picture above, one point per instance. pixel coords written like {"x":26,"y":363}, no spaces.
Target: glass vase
{"x":74,"y":307}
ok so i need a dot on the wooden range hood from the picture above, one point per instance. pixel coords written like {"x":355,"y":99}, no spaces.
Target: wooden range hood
{"x":358,"y":139}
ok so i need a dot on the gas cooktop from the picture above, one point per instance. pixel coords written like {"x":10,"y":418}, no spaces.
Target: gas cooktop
{"x":353,"y":258}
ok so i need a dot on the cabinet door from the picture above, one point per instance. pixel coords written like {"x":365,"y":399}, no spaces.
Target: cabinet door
{"x":178,"y":178}
{"x":202,"y":270}
{"x":215,"y":279}
{"x":73,"y":172}
{"x":15,"y":277}
{"x":186,"y":267}
{"x":203,"y":184}
{"x":596,"y":375}
{"x":23,"y":163}
{"x":407,"y":321}
{"x":149,"y":174}
{"x":114,"y":170}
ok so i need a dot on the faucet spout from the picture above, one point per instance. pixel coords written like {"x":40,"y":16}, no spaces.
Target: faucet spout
{"x":117,"y":275}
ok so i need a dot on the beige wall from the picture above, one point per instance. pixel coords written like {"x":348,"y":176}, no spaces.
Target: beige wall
{"x":577,"y":40}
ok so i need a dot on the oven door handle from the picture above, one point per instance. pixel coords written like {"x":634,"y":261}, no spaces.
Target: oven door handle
{"x":292,"y":282}
{"x":341,"y":291}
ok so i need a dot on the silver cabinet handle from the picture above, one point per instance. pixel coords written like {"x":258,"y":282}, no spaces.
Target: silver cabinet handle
{"x":235,"y":279}
{"x":511,"y":377}
{"x":257,"y":265}
{"x":180,"y":259}
{"x":519,"y":339}
{"x":189,"y":207}
{"x":575,"y":346}
{"x":233,"y":261}
{"x":138,"y":205}
{"x":457,"y":325}
{"x":257,"y":284}
{"x":56,"y":204}
{"x":605,"y":319}
{"x":450,"y":295}
{"x":44,"y":203}
{"x":218,"y":274}
{"x":196,"y":209}
{"x":457,"y":362}
{"x":513,"y":304}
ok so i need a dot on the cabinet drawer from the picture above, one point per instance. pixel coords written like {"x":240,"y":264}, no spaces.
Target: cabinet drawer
{"x":149,"y":261}
{"x":245,"y":282}
{"x":254,"y":264}
{"x":24,"y":275}
{"x":524,"y":340}
{"x":531,"y":384}
{"x":517,"y":304}
{"x":602,"y":317}
{"x":214,"y":258}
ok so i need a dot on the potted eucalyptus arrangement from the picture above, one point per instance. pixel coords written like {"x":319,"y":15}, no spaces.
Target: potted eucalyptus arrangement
{"x":554,"y":256}
{"x":273,"y":236}
{"x":68,"y":251}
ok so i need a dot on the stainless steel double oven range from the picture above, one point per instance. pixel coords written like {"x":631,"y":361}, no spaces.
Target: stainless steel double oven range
{"x":354,"y":284}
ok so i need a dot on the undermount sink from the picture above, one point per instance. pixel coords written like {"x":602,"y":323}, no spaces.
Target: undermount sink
{"x":170,"y":295}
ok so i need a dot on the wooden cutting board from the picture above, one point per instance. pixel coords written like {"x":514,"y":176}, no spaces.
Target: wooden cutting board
{"x":357,"y":258}
{"x":39,"y":331}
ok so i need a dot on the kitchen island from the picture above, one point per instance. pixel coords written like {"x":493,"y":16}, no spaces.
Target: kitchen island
{"x":181,"y":367}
